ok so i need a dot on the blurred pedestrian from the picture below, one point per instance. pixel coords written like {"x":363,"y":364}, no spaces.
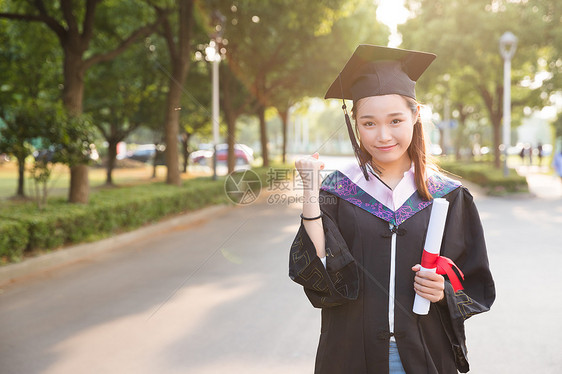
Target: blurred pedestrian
{"x":358,"y":249}
{"x":530,"y":154}
{"x":557,"y":164}
{"x":539,"y":151}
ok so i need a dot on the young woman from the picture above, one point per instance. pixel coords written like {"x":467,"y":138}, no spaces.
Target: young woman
{"x":358,"y":249}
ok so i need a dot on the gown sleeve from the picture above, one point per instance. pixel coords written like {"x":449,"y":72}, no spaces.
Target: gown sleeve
{"x":338,"y":282}
{"x":479,"y":291}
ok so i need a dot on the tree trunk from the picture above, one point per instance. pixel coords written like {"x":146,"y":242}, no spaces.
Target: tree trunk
{"x":460,"y":132}
{"x":497,"y":116}
{"x":230,"y":113}
{"x":79,"y":185}
{"x":495,"y":110}
{"x":185,"y":149}
{"x":171,"y":134}
{"x":155,"y":159}
{"x":73,"y":94}
{"x":284,"y":114}
{"x":153,"y":169}
{"x":21,"y":177}
{"x":111,"y":157}
{"x":231,"y":140}
{"x":458,"y":140}
{"x":263,"y":135}
{"x":497,"y":141}
{"x":73,"y":90}
{"x":180,"y":59}
{"x":442,"y":141}
{"x":45,"y":191}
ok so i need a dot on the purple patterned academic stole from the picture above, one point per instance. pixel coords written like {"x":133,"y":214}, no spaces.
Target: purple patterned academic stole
{"x":340,"y":185}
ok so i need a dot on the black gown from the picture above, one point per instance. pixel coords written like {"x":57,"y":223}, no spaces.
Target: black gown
{"x":353,"y":288}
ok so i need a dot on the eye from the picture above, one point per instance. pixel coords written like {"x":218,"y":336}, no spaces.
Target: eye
{"x":396,"y":121}
{"x":368,"y":124}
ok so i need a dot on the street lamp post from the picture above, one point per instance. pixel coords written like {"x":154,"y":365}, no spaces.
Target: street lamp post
{"x":213,"y":55}
{"x":508,"y":45}
{"x":214,"y":52}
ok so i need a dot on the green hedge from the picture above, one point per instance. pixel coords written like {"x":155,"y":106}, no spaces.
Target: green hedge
{"x":24,"y":229}
{"x":485,"y":175}
{"x":13,"y":240}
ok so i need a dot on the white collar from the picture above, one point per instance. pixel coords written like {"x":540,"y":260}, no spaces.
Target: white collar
{"x":392,"y":199}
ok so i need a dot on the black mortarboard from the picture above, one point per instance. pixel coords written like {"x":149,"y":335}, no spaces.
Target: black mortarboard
{"x":374,"y":71}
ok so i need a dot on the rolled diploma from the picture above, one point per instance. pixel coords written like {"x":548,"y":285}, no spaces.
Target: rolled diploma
{"x":432,"y":245}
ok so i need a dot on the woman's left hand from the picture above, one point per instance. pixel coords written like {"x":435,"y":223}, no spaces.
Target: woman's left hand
{"x":428,"y":284}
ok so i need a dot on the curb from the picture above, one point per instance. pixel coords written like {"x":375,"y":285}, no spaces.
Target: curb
{"x":12,"y":272}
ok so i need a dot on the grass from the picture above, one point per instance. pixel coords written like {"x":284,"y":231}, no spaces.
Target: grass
{"x":60,"y":178}
{"x":487,"y":176}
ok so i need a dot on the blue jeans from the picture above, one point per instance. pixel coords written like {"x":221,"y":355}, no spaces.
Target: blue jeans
{"x":394,"y":363}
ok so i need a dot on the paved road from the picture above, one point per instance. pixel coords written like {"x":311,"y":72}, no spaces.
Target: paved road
{"x":210,"y":298}
{"x":214,"y":297}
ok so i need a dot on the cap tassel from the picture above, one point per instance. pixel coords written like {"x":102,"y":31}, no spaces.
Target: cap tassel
{"x":359,"y":154}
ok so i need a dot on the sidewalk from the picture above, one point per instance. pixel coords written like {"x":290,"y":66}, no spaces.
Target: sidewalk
{"x":541,"y":183}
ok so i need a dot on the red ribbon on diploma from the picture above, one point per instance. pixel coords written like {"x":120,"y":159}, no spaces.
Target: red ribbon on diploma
{"x":444,"y":265}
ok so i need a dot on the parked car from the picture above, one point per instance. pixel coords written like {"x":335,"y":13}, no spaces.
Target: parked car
{"x":142,"y":153}
{"x":45,"y":155}
{"x":200,"y":156}
{"x":242,"y":153}
{"x":146,"y":153}
{"x":53,"y":154}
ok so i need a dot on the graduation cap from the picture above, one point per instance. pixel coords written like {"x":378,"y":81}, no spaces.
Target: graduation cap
{"x":374,"y":71}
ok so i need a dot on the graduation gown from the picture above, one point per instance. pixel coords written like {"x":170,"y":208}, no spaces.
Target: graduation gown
{"x":353,"y":288}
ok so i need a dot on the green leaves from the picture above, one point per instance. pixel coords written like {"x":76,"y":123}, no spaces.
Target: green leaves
{"x":23,"y":125}
{"x":465,"y":36}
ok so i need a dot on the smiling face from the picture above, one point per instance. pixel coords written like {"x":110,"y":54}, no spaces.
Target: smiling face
{"x":386,"y":125}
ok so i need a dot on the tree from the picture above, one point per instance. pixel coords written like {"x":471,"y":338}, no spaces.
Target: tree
{"x":542,"y":28}
{"x":177,"y":35}
{"x":457,"y":103}
{"x":300,"y":77}
{"x":266,"y":39}
{"x":137,"y":98}
{"x":235,"y":100}
{"x":22,"y":125}
{"x":27,"y":82}
{"x":196,"y":113}
{"x":75,"y":25}
{"x":470,"y":54}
